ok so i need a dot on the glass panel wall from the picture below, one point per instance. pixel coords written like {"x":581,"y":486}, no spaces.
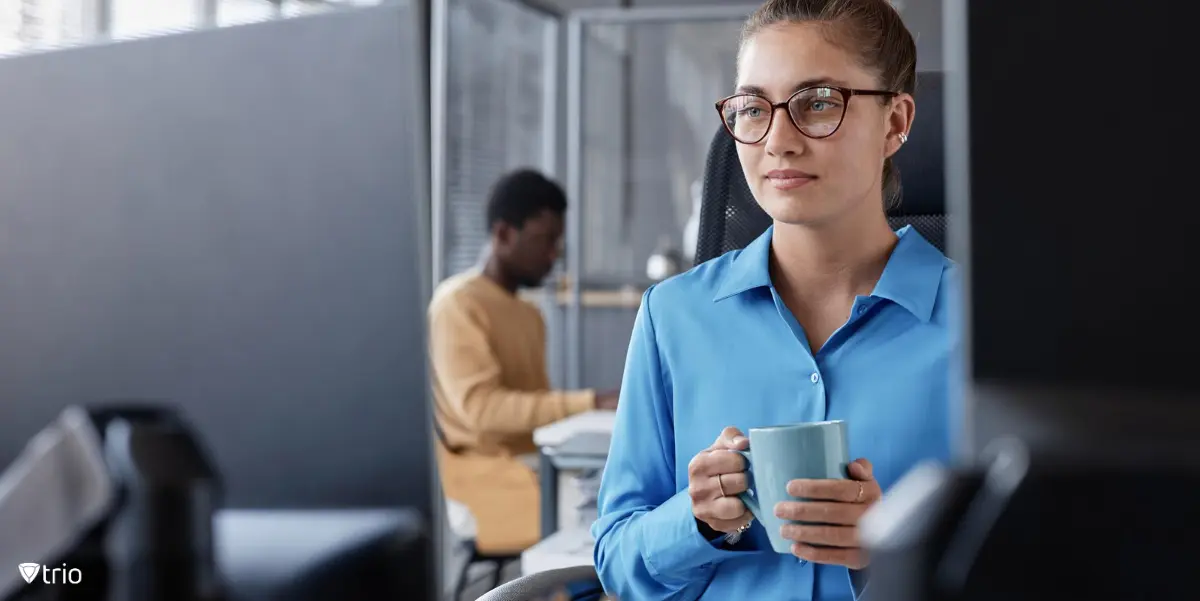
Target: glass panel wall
{"x":646,"y":121}
{"x":648,"y":91}
{"x":499,"y":91}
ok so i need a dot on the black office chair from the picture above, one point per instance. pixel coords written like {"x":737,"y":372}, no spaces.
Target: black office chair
{"x":730,"y":218}
{"x":542,"y":586}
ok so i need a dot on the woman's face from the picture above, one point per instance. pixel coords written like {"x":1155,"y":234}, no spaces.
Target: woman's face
{"x":799,"y":180}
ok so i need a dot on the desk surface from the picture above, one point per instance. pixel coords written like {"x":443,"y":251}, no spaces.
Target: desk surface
{"x":563,"y":549}
{"x":598,"y":422}
{"x":588,"y":447}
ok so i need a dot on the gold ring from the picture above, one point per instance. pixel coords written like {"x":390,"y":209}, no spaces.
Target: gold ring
{"x":721,"y":485}
{"x":858,"y":499}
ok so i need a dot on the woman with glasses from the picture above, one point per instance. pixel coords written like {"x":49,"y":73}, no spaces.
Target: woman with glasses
{"x":829,"y":315}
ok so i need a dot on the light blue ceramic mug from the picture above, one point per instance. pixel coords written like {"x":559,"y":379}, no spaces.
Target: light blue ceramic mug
{"x":780,"y":454}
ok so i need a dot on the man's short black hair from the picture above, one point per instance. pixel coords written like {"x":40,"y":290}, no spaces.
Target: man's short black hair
{"x":522,"y":194}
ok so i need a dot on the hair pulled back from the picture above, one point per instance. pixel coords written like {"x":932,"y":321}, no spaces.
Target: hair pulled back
{"x":871,"y":30}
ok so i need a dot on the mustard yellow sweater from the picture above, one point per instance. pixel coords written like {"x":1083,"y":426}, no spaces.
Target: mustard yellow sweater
{"x":491,"y":390}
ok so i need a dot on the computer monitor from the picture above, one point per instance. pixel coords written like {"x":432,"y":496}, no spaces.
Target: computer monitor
{"x":1070,"y":190}
{"x":231,"y":221}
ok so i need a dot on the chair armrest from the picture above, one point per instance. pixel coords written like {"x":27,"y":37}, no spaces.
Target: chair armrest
{"x":540,"y":586}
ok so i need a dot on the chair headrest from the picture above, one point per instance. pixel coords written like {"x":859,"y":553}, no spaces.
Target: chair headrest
{"x":729,"y":216}
{"x":922,"y":159}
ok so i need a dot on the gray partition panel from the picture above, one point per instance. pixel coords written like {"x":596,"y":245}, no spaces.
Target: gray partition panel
{"x":231,"y":220}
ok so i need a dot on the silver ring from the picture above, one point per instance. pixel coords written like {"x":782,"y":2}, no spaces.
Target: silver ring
{"x":858,"y":499}
{"x":721,"y":485}
{"x":903,"y":138}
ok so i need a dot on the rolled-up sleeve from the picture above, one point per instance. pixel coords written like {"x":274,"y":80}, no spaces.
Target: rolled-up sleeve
{"x":648,"y":545}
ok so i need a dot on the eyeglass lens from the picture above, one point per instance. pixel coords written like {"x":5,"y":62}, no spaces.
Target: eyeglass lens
{"x":817,"y":112}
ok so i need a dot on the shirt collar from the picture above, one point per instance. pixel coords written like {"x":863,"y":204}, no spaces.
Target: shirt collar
{"x":910,"y":279}
{"x":913,"y":274}
{"x":750,"y":269}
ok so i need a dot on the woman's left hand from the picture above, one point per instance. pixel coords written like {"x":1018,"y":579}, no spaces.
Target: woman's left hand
{"x":836,"y":505}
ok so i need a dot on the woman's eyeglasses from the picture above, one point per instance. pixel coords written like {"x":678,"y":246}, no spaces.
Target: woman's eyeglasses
{"x":817,"y":112}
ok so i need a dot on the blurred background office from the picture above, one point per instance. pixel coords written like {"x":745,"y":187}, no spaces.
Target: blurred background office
{"x":613,"y":99}
{"x":240,"y":207}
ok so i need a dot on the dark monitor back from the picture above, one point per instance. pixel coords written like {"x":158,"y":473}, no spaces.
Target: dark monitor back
{"x":230,"y":220}
{"x":1069,"y":166}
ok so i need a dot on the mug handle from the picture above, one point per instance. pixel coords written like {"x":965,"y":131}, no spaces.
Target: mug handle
{"x":748,"y":497}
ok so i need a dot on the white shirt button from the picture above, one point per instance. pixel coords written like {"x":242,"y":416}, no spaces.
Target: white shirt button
{"x":814,"y":377}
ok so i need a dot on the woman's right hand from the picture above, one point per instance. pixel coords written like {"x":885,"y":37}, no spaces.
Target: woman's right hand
{"x":715,"y":477}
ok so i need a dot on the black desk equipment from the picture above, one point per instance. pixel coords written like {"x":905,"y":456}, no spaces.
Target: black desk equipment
{"x":140,"y":524}
{"x":120,"y":502}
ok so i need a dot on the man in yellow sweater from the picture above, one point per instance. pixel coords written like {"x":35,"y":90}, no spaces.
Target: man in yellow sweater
{"x":488,"y":359}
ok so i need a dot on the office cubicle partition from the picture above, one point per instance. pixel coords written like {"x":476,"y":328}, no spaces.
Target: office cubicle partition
{"x":232,"y":221}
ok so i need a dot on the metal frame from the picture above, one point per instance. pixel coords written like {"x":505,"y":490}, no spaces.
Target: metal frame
{"x":420,"y":14}
{"x":550,"y":95}
{"x":551,"y":130}
{"x":574,"y":177}
{"x":573,"y":244}
{"x":439,"y":50}
{"x":958,"y":191}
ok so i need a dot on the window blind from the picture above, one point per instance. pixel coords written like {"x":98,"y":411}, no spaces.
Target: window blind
{"x":496,"y":96}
